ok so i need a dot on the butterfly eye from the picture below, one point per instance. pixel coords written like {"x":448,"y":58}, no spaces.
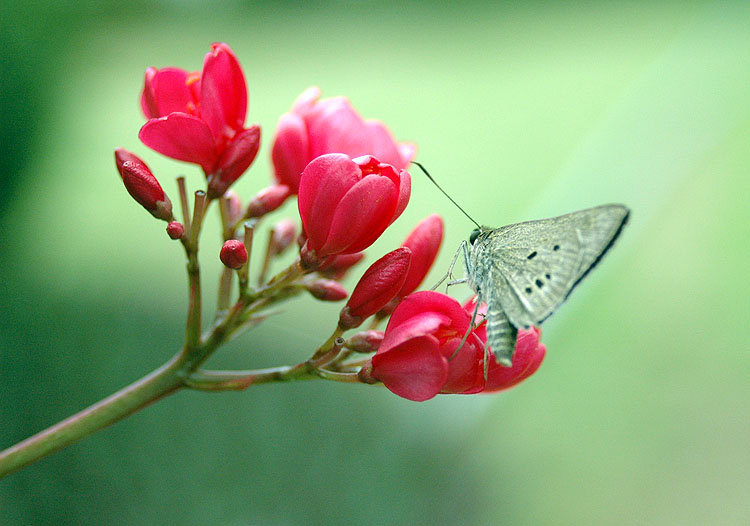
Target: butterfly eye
{"x":474,"y":235}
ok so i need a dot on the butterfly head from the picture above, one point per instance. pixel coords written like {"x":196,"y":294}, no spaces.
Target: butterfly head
{"x":479,"y":234}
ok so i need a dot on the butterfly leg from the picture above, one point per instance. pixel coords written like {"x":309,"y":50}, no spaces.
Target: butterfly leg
{"x":449,"y":275}
{"x":472,"y":326}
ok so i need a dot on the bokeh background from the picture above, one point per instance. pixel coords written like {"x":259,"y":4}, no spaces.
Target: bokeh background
{"x":639,"y":414}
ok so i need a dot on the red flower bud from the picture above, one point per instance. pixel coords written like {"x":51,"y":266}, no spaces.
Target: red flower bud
{"x":378,"y":286}
{"x":424,"y":242}
{"x":234,"y":206}
{"x":366,"y":341}
{"x":284,"y":234}
{"x":233,"y":254}
{"x":238,"y":156}
{"x":346,"y":204}
{"x":327,"y":290}
{"x":267,"y":200}
{"x":142,"y":185}
{"x":175,"y":230}
{"x":316,"y":127}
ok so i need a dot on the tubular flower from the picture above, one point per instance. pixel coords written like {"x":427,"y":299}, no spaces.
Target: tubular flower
{"x":346,"y":204}
{"x":142,"y":185}
{"x":415,"y":360}
{"x":378,"y":285}
{"x":315,"y":127}
{"x":199,"y":117}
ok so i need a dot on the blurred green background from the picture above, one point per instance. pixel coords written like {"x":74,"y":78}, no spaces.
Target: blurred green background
{"x":639,"y":414}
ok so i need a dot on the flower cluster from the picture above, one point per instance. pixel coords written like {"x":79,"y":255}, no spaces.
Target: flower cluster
{"x":349,"y":175}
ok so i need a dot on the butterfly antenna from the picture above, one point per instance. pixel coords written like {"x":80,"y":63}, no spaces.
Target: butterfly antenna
{"x":444,"y":192}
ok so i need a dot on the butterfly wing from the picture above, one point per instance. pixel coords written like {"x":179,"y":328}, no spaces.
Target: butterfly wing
{"x":542,"y":261}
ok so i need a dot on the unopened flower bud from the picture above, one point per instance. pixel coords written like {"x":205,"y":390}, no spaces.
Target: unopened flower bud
{"x":234,"y":206}
{"x":379,"y":284}
{"x":175,"y":230}
{"x":267,"y":200}
{"x":142,"y":185}
{"x":366,"y":341}
{"x":233,"y":254}
{"x":284,"y":235}
{"x":327,"y":290}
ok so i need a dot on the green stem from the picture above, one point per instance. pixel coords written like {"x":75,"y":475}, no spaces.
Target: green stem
{"x":162,"y":382}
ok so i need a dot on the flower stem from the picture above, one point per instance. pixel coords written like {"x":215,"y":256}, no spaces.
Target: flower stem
{"x":162,"y":382}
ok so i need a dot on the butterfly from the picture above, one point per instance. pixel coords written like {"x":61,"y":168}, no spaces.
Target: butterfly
{"x":524,"y":271}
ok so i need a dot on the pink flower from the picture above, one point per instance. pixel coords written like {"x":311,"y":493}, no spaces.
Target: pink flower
{"x":346,"y":204}
{"x":378,"y":285}
{"x":199,"y":117}
{"x":142,"y":185}
{"x":415,"y":360}
{"x":316,"y":127}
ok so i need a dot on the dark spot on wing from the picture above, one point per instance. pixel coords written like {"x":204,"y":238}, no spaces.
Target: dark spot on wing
{"x":548,"y":276}
{"x":532,"y":255}
{"x":539,"y":283}
{"x":556,"y":248}
{"x":528,"y":290}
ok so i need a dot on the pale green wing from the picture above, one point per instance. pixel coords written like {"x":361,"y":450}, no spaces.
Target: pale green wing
{"x":542,"y":261}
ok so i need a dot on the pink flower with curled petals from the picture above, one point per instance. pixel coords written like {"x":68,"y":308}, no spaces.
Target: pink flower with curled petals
{"x":199,"y":117}
{"x":346,"y":204}
{"x":418,"y":360}
{"x":415,"y":360}
{"x":316,"y":127}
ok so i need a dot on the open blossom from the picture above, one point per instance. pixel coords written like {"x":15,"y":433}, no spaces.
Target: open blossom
{"x":200,"y":117}
{"x":416,"y":358}
{"x":346,"y":204}
{"x":315,"y":127}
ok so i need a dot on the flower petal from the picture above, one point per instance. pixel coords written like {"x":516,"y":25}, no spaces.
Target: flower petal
{"x":527,"y":358}
{"x":223,"y":93}
{"x":237,"y":157}
{"x":291,"y":150}
{"x":361,"y":216}
{"x":383,"y":146}
{"x":182,"y":137}
{"x":323,"y":183}
{"x":165,"y":91}
{"x":414,"y":370}
{"x":424,"y":242}
{"x":466,"y":372}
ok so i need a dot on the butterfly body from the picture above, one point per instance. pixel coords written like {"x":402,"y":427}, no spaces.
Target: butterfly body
{"x":524,"y":271}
